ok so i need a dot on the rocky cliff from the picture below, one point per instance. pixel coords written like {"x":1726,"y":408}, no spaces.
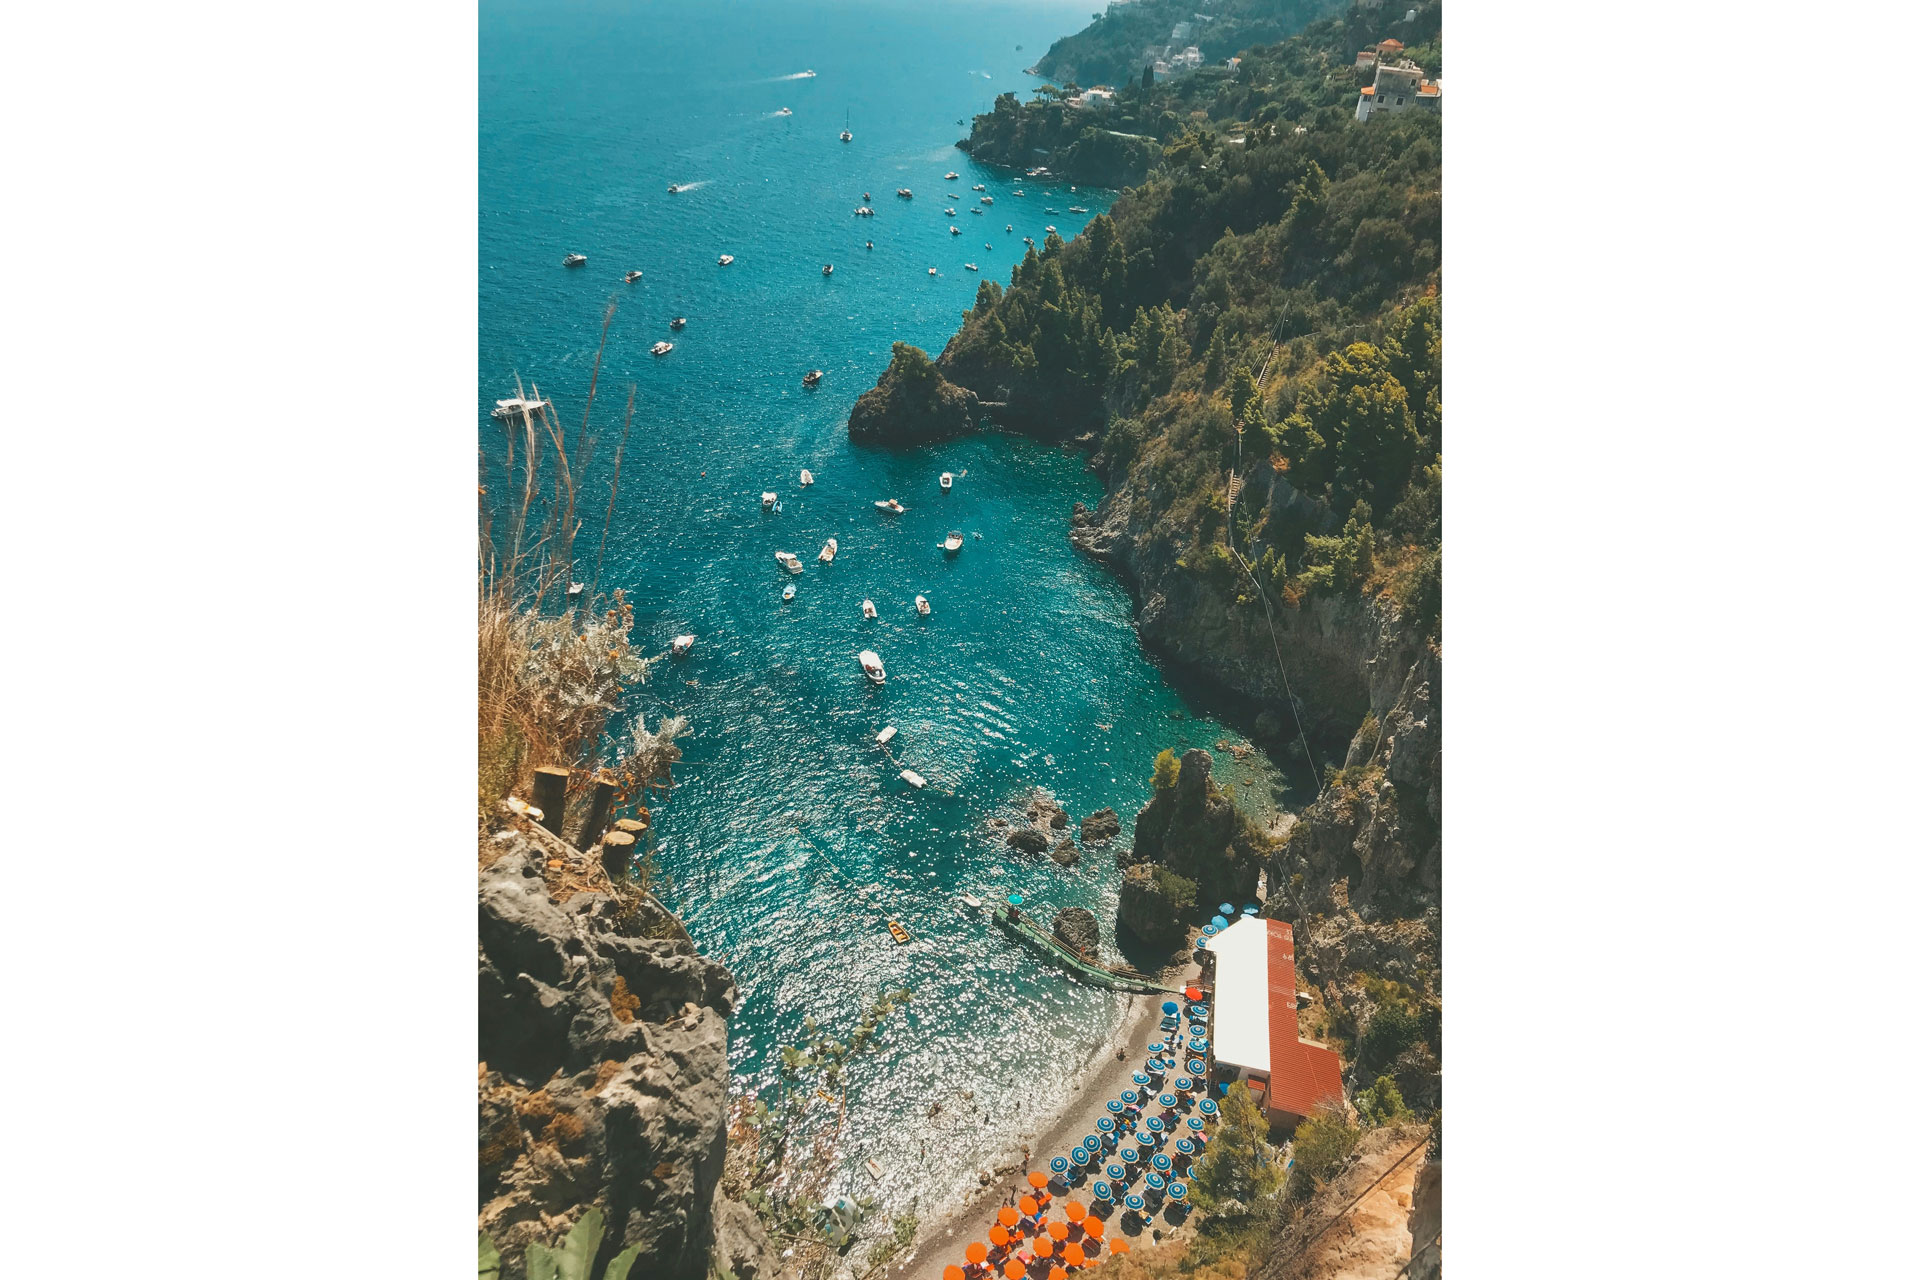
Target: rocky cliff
{"x":603,"y":1075}
{"x":913,"y":403}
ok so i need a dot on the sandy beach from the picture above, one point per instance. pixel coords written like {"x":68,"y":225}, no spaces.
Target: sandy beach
{"x":940,"y":1241}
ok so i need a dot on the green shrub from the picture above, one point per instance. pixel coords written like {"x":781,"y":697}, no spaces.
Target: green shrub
{"x":1321,"y":1146}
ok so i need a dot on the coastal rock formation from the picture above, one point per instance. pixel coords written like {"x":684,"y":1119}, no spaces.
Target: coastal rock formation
{"x":1155,"y":904}
{"x":1027,"y":840}
{"x":1066,"y":853}
{"x":1076,"y":927}
{"x":603,"y":1079}
{"x":1194,"y":831}
{"x":1098,"y":826}
{"x":1425,"y":1223}
{"x":1043,"y":810}
{"x":913,"y":403}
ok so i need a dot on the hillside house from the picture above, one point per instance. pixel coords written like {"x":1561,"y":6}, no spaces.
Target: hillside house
{"x":1398,"y":88}
{"x":1366,"y":58}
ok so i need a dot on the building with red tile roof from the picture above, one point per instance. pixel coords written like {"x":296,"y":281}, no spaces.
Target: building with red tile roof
{"x":1256,"y":1024}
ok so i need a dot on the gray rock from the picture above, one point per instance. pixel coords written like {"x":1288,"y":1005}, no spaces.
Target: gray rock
{"x":1066,"y":853}
{"x":604,"y":1074}
{"x":1076,"y":927}
{"x":740,"y":1243}
{"x":1027,"y":840}
{"x":1102,"y":824}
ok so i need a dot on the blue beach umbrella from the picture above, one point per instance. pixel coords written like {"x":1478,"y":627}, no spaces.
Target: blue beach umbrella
{"x":1178,"y":1191}
{"x":1155,"y":1123}
{"x":1168,"y":1006}
{"x":1104,"y":1124}
{"x":1196,"y":1066}
{"x":1117,"y":1172}
{"x":1058,"y":1164}
{"x":1183,"y":1083}
{"x":1129,"y":1097}
{"x":1251,"y":909}
{"x":1195,"y":1123}
{"x":1184,"y":1147}
{"x":1101,"y":1191}
{"x":1129,"y":1155}
{"x":1115,"y":1106}
{"x":1226,"y":908}
{"x":1156,"y":1048}
{"x":1207,"y":931}
{"x":1161,"y":1164}
{"x":1139,"y":1077}
{"x":1168,"y":1100}
{"x":1218,"y":922}
{"x":1157,"y":1182}
{"x":1016,"y":899}
{"x":1078,"y":1155}
{"x":1091,"y":1142}
{"x":1209,"y":1107}
{"x":1146,"y":1138}
{"x":1199,"y":944}
{"x":1135,"y":1203}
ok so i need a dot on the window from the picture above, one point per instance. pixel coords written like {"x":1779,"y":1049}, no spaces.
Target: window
{"x":1399,"y":102}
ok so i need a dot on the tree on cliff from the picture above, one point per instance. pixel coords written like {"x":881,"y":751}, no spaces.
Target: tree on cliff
{"x":1240,"y":1163}
{"x":912,"y":402}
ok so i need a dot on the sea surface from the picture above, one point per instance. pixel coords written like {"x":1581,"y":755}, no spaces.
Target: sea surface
{"x":790,"y":839}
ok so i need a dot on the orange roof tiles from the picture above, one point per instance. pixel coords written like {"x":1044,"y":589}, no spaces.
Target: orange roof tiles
{"x":1303,"y":1075}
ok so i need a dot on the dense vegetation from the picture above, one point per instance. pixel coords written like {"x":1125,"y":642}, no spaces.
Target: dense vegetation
{"x":1113,"y":49}
{"x":1267,"y":300}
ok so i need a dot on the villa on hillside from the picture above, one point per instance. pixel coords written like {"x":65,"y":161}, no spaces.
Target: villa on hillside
{"x":1397,"y":88}
{"x":1101,"y":95}
{"x":1256,"y":1024}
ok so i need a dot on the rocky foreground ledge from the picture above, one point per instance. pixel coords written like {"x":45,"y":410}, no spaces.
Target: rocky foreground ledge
{"x":603,"y":1075}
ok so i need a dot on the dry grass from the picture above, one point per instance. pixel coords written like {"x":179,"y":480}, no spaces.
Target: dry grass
{"x":552,"y":675}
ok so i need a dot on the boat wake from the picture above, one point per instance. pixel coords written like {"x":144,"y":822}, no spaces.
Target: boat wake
{"x":693,"y":186}
{"x":798,"y":75}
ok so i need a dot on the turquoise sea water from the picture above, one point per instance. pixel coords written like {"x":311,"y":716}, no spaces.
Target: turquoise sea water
{"x":790,"y":838}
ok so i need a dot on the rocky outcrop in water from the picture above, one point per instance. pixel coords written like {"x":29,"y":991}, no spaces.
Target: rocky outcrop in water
{"x":913,"y":403}
{"x":1076,"y":927}
{"x":1155,"y":904}
{"x":1099,"y":826}
{"x":1027,"y":840}
{"x":1066,"y":853}
{"x":603,"y":1080}
{"x":1195,"y":831}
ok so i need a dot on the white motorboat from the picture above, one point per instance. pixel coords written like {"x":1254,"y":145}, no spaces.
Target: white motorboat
{"x":1075,"y":209}
{"x":905,"y":193}
{"x":932,"y":271}
{"x":633,"y":276}
{"x":977,"y":211}
{"x":969,"y":266}
{"x":518,"y":407}
{"x":681,"y":644}
{"x":808,"y":75}
{"x":954,"y":230}
{"x":726,"y":259}
{"x":827,"y":270}
{"x":1020,"y":193}
{"x":912,"y":779}
{"x":946,"y":482}
{"x":979,"y":186}
{"x":806,"y":477}
{"x":788,"y":593}
{"x":674,"y":188}
{"x":661,"y":348}
{"x":885,"y":735}
{"x":986,"y":199}
{"x":863,"y":212}
{"x":767,"y":499}
{"x":784,"y":111}
{"x":953,"y":543}
{"x":871,"y":664}
{"x":949,"y":212}
{"x":867,"y":610}
{"x":677,"y":323}
{"x":951,"y":175}
{"x":788,"y":561}
{"x":890,"y":505}
{"x":574,"y":260}
{"x":828,"y":552}
{"x":921,"y":607}
{"x":846,"y":135}
{"x":812,"y":378}
{"x":1050,"y":228}
{"x":971,"y":903}
{"x":575,"y":588}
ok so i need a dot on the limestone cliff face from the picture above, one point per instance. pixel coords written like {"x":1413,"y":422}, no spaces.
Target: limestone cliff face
{"x":603,"y":1076}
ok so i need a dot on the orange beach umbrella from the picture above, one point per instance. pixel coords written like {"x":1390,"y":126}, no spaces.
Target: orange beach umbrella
{"x":1036,"y":1179}
{"x":1028,"y":1206}
{"x":1057,"y":1229}
{"x":1042,"y":1246}
{"x":1120,"y":1245}
{"x":1075,"y":1255}
{"x":1015,"y":1269}
{"x":976,"y":1253}
{"x":997,"y":1234}
{"x":1007,"y":1216}
{"x":953,"y":1273}
{"x":1075,"y":1211}
{"x":1058,"y":1273}
{"x":1096,"y":1228}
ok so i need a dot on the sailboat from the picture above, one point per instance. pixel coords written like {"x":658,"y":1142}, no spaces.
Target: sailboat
{"x":846,"y":133}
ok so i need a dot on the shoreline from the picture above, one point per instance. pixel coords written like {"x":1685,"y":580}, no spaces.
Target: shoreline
{"x":1103,"y":1076}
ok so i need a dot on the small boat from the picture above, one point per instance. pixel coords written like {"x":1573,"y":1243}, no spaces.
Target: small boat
{"x":726,"y":259}
{"x":969,"y":266}
{"x":788,"y":593}
{"x":812,"y":379}
{"x":574,"y":260}
{"x":979,"y":186}
{"x":954,"y":542}
{"x":867,"y":610}
{"x":955,"y":230}
{"x":932,"y":272}
{"x":904,"y":193}
{"x":806,"y":477}
{"x":890,"y":505}
{"x":1051,"y":209}
{"x":808,"y":75}
{"x":828,"y":552}
{"x":767,"y":499}
{"x":912,"y":779}
{"x":949,"y":212}
{"x":827,"y":270}
{"x":921,"y":607}
{"x":1020,"y":193}
{"x":677,"y":323}
{"x":976,"y":211}
{"x":951,"y":175}
{"x":1028,"y":239}
{"x":632,"y":276}
{"x":863,"y":212}
{"x":867,"y":196}
{"x":518,"y":407}
{"x":846,"y":135}
{"x":680,"y":646}
{"x":900,"y":935}
{"x":873,"y":1167}
{"x":870,"y":663}
{"x":575,"y":588}
{"x":1050,"y":228}
{"x":970,"y":902}
{"x":946,"y":482}
{"x":1075,"y":209}
{"x":788,"y":561}
{"x":674,"y":188}
{"x":885,"y":735}
{"x":869,"y":244}
{"x":1009,"y":226}
{"x":986,"y":199}
{"x":784,"y":111}
{"x":661,"y":348}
